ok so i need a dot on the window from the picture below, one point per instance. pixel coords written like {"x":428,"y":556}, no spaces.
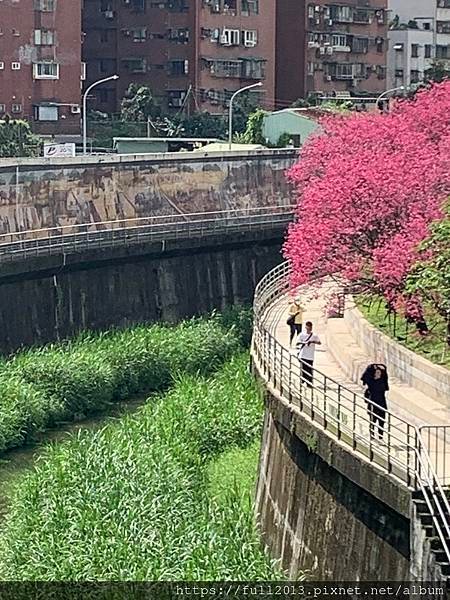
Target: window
{"x":443,"y":26}
{"x":15,"y":66}
{"x":178,"y":67}
{"x":46,"y":70}
{"x":339,"y":40}
{"x":139,"y":5}
{"x":83,"y":71}
{"x":361,"y":15}
{"x":427,"y":26}
{"x":415,"y":76}
{"x":442,"y":51}
{"x":249,"y":7}
{"x":175,"y":98}
{"x":139,"y":34}
{"x":44,"y":37}
{"x":44,"y":5}
{"x":46,"y":113}
{"x":2,"y":65}
{"x":253,"y":69}
{"x":428,"y":50}
{"x":135,"y":65}
{"x":311,"y":68}
{"x":399,"y":73}
{"x":180,"y":36}
{"x":223,"y":68}
{"x":379,"y":42}
{"x":16,"y":108}
{"x":101,"y":95}
{"x":249,"y":38}
{"x":415,"y":50}
{"x":230,"y":37}
{"x":443,"y":3}
{"x":16,"y":32}
{"x":2,"y":108}
{"x":341,"y":14}
{"x":360,"y":45}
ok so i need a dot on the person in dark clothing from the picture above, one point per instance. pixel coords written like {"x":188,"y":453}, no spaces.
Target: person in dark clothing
{"x":375,"y":378}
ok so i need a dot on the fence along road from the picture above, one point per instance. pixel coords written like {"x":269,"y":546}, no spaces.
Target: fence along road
{"x":342,"y":413}
{"x":102,"y":234}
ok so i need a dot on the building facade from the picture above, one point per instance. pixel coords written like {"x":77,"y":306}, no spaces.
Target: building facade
{"x":331,"y":47}
{"x":204,"y":49}
{"x":40,"y":68}
{"x":419,"y":35}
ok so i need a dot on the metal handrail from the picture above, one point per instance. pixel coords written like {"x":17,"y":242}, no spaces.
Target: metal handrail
{"x":160,"y":228}
{"x":127,"y":222}
{"x":343,"y":413}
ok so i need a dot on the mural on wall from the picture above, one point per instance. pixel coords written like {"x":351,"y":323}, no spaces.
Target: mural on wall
{"x":41,"y":197}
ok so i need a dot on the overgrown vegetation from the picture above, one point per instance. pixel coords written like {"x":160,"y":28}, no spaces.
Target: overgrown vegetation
{"x":430,"y":344}
{"x":17,"y":139}
{"x":142,"y":499}
{"x":71,"y":380}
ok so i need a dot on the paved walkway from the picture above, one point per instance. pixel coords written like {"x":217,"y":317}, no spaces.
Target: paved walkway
{"x":406,"y":403}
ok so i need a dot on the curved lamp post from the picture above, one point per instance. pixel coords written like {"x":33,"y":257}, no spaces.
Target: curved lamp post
{"x":396,"y":89}
{"x":85,"y":95}
{"x":230,"y":112}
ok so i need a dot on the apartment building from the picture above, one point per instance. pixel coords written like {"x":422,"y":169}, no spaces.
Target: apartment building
{"x":419,"y":34}
{"x":209,"y":47}
{"x":40,"y":68}
{"x":334,"y":46}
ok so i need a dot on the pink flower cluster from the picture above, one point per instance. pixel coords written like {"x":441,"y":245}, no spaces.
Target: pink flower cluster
{"x":368,"y":187}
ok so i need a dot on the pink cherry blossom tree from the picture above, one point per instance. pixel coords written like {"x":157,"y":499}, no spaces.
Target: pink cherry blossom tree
{"x":368,"y":188}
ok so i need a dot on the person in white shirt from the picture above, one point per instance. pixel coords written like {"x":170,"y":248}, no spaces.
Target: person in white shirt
{"x":306,"y":345}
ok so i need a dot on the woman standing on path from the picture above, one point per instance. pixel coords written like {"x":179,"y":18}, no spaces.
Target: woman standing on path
{"x":295,"y":318}
{"x":375,"y":377}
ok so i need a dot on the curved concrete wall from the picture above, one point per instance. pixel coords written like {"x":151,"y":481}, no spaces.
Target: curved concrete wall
{"x":49,"y":298}
{"x":323,"y":510}
{"x":41,"y":193}
{"x":409,"y":367}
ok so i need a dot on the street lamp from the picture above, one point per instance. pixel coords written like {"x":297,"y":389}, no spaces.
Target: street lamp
{"x":85,"y":95}
{"x":230,"y":112}
{"x":396,"y":89}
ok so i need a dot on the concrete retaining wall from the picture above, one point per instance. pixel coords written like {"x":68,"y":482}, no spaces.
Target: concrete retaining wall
{"x":410,"y":368}
{"x":41,"y":193}
{"x":50,"y":298}
{"x":324,"y":510}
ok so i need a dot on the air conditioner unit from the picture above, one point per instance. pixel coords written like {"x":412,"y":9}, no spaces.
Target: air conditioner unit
{"x":328,"y":78}
{"x":249,"y":43}
{"x":75,"y":109}
{"x":311,"y":44}
{"x":329,"y":50}
{"x":109,"y":14}
{"x":317,"y":8}
{"x":330,"y":22}
{"x":322,"y":50}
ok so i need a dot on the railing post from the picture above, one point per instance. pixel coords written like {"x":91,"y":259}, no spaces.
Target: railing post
{"x":290,"y":378}
{"x":339,"y":413}
{"x":354,"y":422}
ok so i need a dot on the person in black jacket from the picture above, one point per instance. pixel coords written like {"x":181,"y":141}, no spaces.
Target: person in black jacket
{"x":375,"y":378}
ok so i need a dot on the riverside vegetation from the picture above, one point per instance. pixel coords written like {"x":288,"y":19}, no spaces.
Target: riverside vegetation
{"x":164,"y":494}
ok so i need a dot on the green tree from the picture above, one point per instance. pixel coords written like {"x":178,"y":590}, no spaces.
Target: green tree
{"x":17,"y":139}
{"x":430,"y":277}
{"x":139,"y":104}
{"x":204,"y":124}
{"x":253,"y":133}
{"x":437,"y":72}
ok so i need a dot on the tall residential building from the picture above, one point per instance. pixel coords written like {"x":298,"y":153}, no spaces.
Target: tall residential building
{"x":332,"y":47}
{"x":40,"y":68}
{"x":419,"y":35}
{"x":210,"y":47}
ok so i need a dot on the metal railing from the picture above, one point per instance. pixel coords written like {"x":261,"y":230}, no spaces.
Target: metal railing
{"x":69,"y":238}
{"x":391,"y":443}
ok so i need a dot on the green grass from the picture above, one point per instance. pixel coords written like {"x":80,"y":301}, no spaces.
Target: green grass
{"x":432,"y":346}
{"x":152,"y":497}
{"x":74,"y":379}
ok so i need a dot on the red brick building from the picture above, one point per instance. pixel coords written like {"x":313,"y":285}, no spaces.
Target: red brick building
{"x":210,"y":47}
{"x":40,"y":68}
{"x":330,"y":47}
